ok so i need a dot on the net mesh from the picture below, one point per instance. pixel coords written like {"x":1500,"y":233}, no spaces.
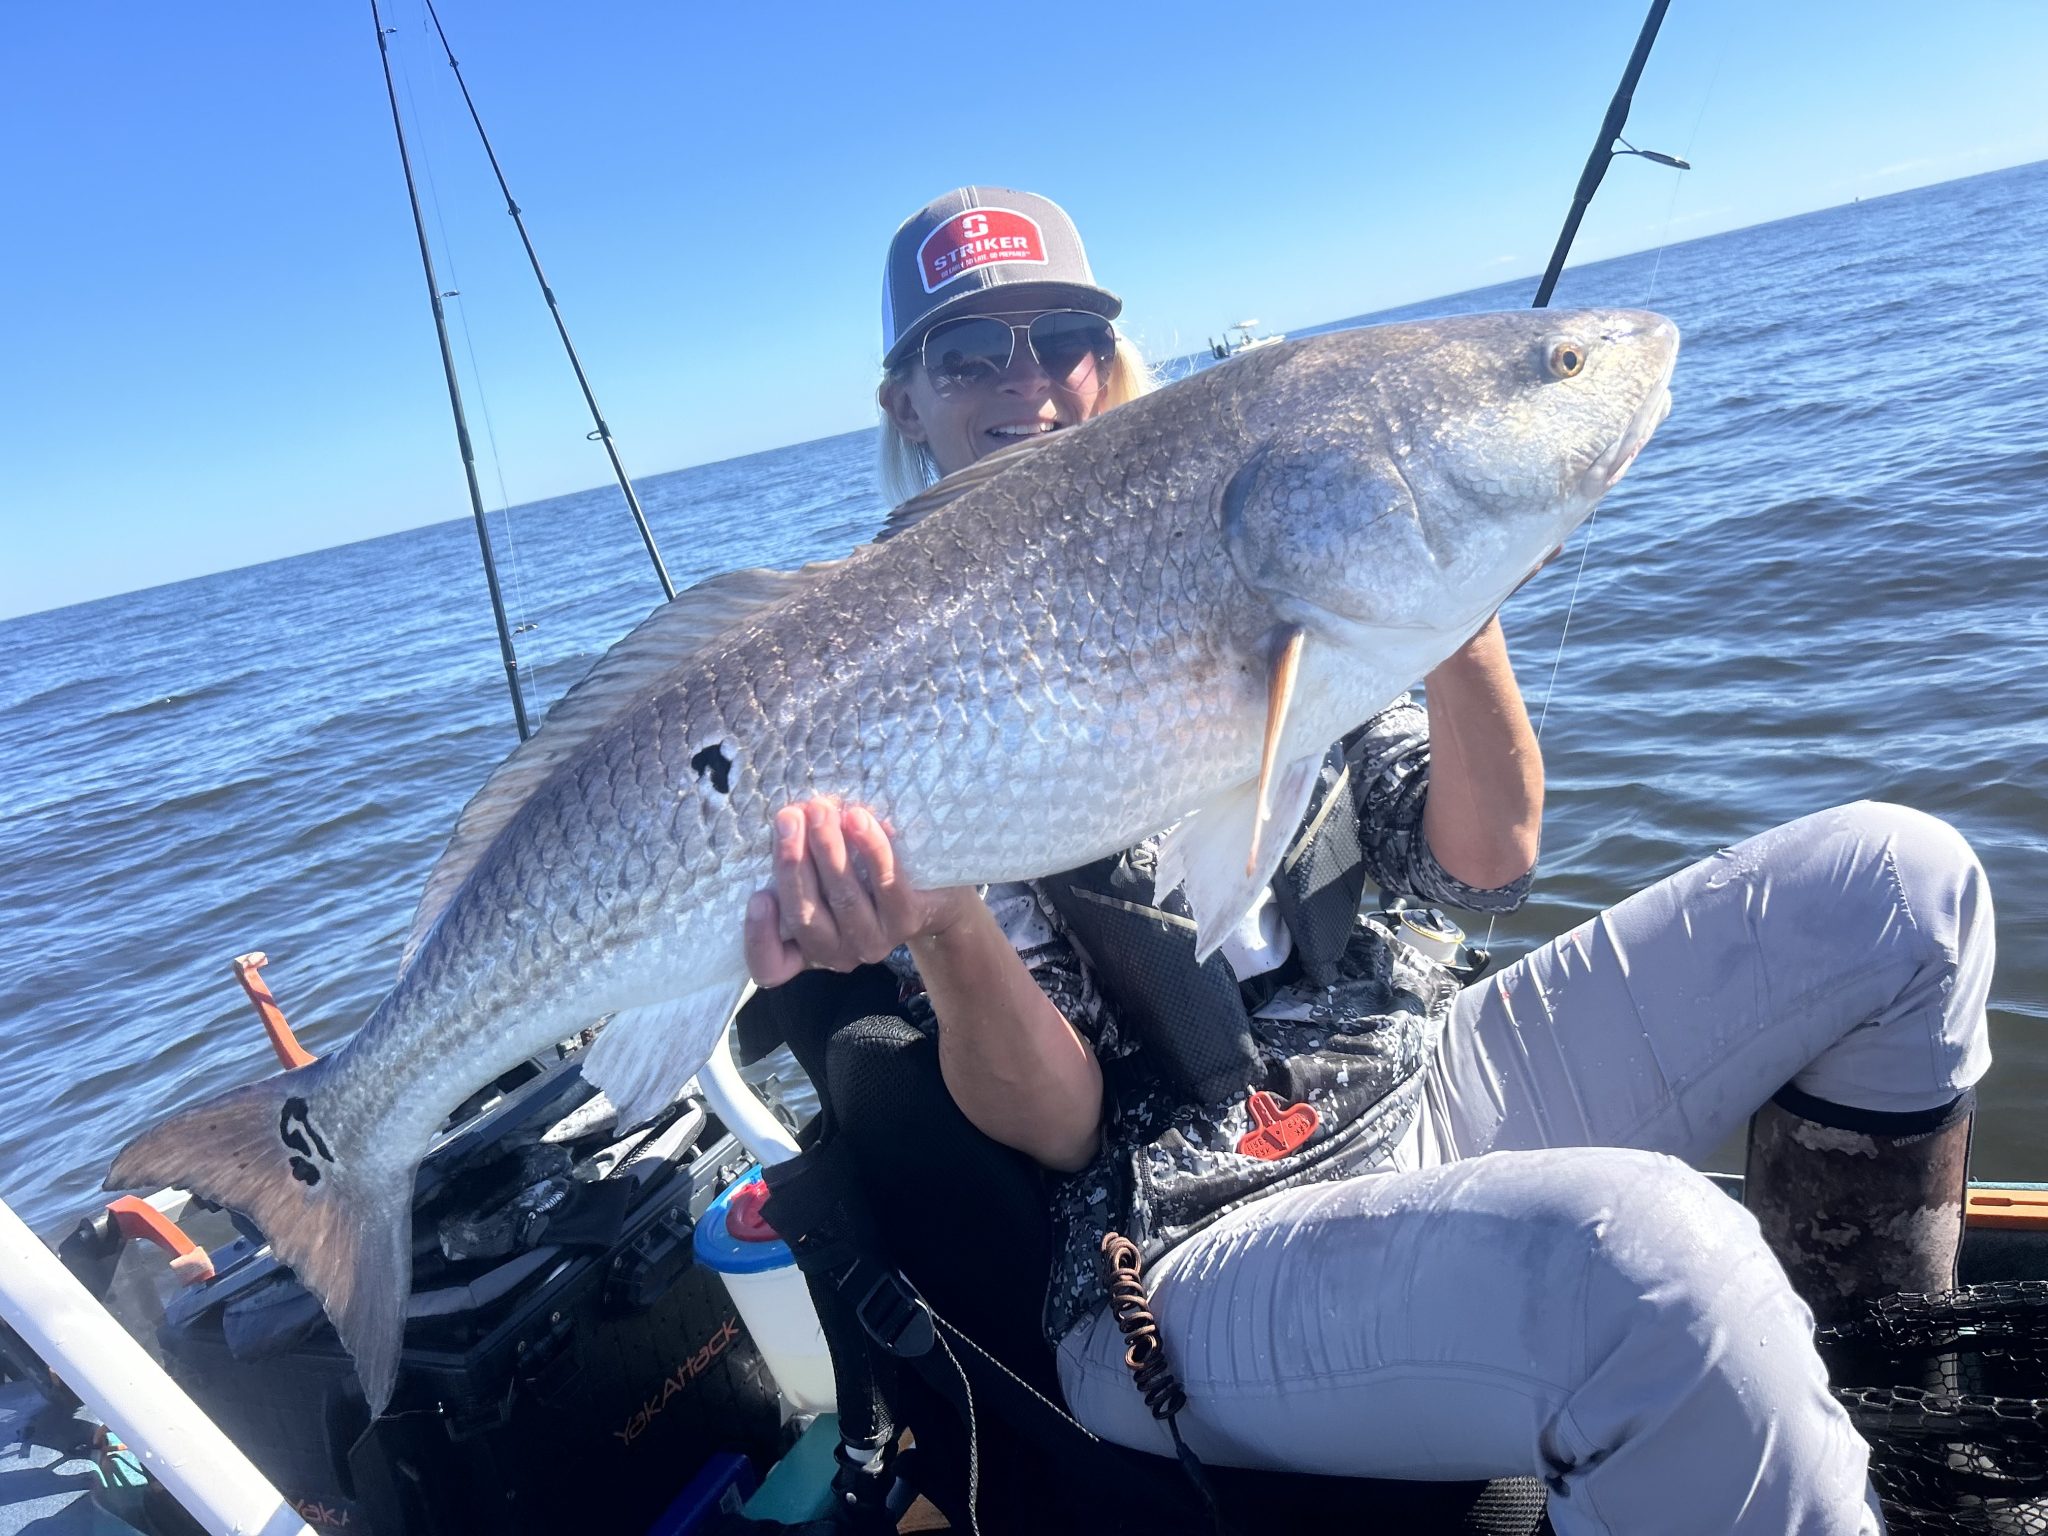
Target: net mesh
{"x":1951,"y":1392}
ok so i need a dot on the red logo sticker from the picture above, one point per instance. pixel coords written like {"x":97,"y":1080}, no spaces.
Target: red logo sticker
{"x":976,"y":238}
{"x":1278,"y":1129}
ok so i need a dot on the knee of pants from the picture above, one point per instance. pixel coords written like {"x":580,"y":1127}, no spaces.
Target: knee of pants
{"x":1946,"y":898}
{"x":1939,"y":874}
{"x":1680,"y":1282}
{"x":1695,"y":1346}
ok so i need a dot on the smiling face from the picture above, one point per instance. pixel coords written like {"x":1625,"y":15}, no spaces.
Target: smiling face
{"x":966,"y":422}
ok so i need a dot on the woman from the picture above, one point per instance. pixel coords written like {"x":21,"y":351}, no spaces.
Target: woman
{"x":1414,"y":1229}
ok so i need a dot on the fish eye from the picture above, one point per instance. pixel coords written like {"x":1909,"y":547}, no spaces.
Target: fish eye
{"x":1566,"y":360}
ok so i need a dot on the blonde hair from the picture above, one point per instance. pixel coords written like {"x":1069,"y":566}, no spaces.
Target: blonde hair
{"x":905,"y":468}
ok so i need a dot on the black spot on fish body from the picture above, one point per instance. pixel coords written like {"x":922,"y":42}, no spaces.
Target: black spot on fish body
{"x":715,"y":761}
{"x":305,"y":1172}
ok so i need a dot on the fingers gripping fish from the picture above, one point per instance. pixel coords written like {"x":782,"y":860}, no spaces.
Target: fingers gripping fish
{"x":1161,"y":617}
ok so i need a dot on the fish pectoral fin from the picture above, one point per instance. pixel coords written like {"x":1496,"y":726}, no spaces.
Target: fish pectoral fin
{"x":645,"y":1057}
{"x":1279,"y":694}
{"x":1204,"y":855}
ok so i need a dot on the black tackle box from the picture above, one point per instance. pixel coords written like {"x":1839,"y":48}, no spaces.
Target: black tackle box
{"x":571,"y":1386}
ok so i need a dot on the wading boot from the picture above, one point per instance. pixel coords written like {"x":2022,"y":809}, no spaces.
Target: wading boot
{"x":1858,"y":1204}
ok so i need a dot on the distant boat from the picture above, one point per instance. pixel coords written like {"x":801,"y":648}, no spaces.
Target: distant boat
{"x":1239,"y":338}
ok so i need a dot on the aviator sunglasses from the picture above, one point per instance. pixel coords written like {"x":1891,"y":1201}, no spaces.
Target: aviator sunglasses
{"x":1073,"y":347}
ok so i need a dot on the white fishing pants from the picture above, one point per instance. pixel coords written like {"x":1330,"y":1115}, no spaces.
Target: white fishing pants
{"x":1540,"y":1286}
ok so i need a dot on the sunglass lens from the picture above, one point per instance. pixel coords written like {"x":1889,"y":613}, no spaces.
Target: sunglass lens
{"x":1075,"y":349}
{"x":964,"y":353}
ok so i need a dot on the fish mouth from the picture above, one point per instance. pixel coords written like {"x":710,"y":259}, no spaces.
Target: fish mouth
{"x":1613,"y":464}
{"x":1608,"y":469}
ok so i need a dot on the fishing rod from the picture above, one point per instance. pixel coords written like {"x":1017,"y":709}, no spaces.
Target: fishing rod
{"x":476,"y":500}
{"x":603,"y":433}
{"x":1604,"y":150}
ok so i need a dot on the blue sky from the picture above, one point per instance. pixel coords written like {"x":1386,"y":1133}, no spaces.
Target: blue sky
{"x":218,"y":346}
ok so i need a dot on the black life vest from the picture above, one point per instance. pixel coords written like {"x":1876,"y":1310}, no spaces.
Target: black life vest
{"x":1194,"y":1021}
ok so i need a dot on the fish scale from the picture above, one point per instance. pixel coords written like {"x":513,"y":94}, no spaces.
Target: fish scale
{"x":1160,"y":617}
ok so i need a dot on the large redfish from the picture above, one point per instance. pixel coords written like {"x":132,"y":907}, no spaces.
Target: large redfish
{"x":1161,"y":617}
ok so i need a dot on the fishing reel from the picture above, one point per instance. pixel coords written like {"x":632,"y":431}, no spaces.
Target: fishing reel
{"x":1428,"y":932}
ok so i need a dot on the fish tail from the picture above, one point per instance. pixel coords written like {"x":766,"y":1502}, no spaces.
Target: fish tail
{"x":339,"y":1214}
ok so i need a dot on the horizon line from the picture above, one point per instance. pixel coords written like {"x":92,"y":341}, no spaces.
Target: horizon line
{"x":1362,"y":315}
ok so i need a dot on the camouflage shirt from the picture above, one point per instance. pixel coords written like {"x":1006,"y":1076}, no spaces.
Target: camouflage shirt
{"x":1354,"y":1051}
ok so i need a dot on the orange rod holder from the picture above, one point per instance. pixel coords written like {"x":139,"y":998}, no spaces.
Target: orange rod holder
{"x":282,"y":1040}
{"x":136,"y":1218}
{"x":2011,"y":1210}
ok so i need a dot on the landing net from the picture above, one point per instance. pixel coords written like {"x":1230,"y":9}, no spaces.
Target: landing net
{"x":1951,"y":1392}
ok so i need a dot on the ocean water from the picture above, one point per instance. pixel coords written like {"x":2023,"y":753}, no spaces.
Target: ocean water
{"x":1826,"y":578}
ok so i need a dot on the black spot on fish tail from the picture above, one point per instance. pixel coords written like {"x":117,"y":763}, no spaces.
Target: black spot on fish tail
{"x":343,"y":1225}
{"x":295,"y":1126}
{"x":716,"y":761}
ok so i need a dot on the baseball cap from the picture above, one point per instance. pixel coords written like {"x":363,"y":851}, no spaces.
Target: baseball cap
{"x":952,"y":251}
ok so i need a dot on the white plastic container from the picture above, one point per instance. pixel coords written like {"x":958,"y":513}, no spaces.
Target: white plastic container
{"x":761,"y":1274}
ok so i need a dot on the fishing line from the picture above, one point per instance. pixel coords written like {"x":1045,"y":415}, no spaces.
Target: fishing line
{"x":1556,"y":661}
{"x":1692,"y":138}
{"x":973,"y":1438}
{"x":1550,"y":688}
{"x":1656,"y":270}
{"x":1664,"y":236}
{"x":522,"y":612}
{"x":1607,"y":145}
{"x":1586,"y":551}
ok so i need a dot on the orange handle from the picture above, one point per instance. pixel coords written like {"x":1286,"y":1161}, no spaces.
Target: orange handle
{"x":282,"y":1040}
{"x":137,"y":1218}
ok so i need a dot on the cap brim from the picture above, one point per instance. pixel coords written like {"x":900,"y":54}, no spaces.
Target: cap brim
{"x":1000,"y":297}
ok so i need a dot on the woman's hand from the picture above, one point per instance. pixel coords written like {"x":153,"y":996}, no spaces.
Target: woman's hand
{"x":1008,"y":1056}
{"x":839,"y":899}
